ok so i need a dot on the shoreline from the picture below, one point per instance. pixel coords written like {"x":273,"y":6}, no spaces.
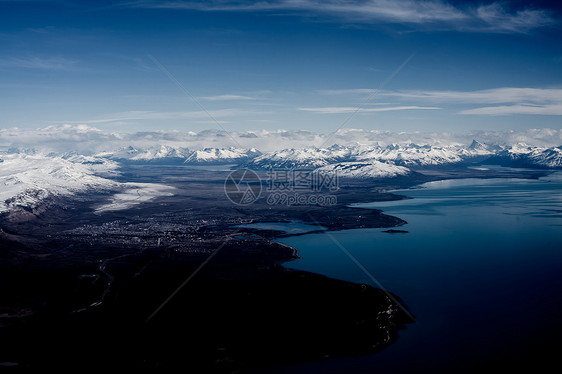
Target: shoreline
{"x":149,"y":251}
{"x":475,"y":266}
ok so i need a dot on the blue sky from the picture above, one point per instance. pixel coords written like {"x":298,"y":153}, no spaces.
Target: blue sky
{"x":292,"y":64}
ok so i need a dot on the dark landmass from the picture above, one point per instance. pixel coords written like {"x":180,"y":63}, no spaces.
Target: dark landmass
{"x":77,"y":288}
{"x":393,"y":231}
{"x":80,"y":289}
{"x":242,"y":311}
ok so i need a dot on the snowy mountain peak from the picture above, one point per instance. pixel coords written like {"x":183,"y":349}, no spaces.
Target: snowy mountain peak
{"x":476,"y":146}
{"x":28,"y":179}
{"x":520,"y":148}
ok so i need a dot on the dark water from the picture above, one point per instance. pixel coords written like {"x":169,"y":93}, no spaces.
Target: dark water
{"x":481,"y":270}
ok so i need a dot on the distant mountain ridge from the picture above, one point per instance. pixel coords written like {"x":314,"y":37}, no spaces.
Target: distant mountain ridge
{"x":522,"y":155}
{"x":400,"y":154}
{"x":180,"y":155}
{"x":28,"y":176}
{"x":408,"y":155}
{"x":230,"y":155}
{"x":370,"y":169}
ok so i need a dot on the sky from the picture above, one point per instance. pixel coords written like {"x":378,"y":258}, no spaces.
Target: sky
{"x":429,"y":66}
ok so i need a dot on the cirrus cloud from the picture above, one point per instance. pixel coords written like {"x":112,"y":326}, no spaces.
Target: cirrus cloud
{"x":34,"y":62}
{"x":227,"y":98}
{"x":344,"y":110}
{"x":491,"y":17}
{"x":513,"y":100}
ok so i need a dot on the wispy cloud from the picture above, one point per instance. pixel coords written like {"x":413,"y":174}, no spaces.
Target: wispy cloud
{"x":496,"y":18}
{"x":344,"y":110}
{"x":537,"y":101}
{"x":493,"y":17}
{"x":49,"y":63}
{"x":142,"y":115}
{"x":490,"y":96}
{"x":549,"y":110}
{"x":514,"y":100}
{"x":227,"y":98}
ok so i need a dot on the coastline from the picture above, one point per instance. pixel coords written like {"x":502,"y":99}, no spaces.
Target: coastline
{"x":148,"y":255}
{"x":455,"y":281}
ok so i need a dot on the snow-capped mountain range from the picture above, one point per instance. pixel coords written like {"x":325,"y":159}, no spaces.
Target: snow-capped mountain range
{"x":230,"y":155}
{"x":410,"y":155}
{"x":413,"y":155}
{"x":523,"y":155}
{"x":169,"y":154}
{"x":28,"y":179}
{"x":152,"y":153}
{"x":28,"y":176}
{"x":310,"y":158}
{"x":369,"y":169}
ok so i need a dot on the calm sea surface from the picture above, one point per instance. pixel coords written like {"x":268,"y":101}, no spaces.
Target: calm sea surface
{"x":480,"y":268}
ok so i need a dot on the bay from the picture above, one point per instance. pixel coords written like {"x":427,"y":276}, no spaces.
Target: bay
{"x":480,"y":269}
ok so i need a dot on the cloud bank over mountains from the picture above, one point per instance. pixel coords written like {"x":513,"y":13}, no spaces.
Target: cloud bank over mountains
{"x":60,"y":161}
{"x":89,"y":140}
